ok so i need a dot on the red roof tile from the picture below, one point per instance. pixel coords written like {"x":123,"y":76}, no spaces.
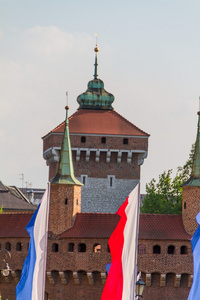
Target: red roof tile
{"x":88,"y":121}
{"x":160,"y":227}
{"x":92,"y":225}
{"x":13,"y":224}
{"x":99,"y":225}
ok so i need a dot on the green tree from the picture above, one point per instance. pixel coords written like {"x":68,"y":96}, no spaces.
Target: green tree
{"x":165,"y":197}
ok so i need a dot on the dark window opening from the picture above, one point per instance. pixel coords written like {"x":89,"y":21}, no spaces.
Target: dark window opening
{"x":83,"y":139}
{"x":108,"y":248}
{"x":76,"y":201}
{"x":184,"y":205}
{"x":81,"y":247}
{"x":54,"y":247}
{"x":84,"y":179}
{"x":71,"y":247}
{"x":111,"y":181}
{"x":156,"y":249}
{"x":103,"y":140}
{"x":183,"y":250}
{"x":97,"y":248}
{"x":171,"y":249}
{"x":125,"y":141}
{"x":66,"y":201}
{"x":8,"y":246}
{"x":19,"y":247}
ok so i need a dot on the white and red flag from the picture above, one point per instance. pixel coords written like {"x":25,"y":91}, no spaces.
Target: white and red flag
{"x":120,"y":283}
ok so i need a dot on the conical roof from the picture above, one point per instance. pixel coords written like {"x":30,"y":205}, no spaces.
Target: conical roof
{"x":65,"y":171}
{"x":194,"y":179}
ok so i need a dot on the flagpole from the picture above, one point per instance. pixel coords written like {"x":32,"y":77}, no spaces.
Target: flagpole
{"x":47,"y":225}
{"x":137,"y":231}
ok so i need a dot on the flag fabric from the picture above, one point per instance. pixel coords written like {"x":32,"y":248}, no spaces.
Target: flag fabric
{"x":195,"y":289}
{"x":120,"y":283}
{"x":32,"y":281}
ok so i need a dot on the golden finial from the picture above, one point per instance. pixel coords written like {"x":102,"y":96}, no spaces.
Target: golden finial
{"x":96,"y":49}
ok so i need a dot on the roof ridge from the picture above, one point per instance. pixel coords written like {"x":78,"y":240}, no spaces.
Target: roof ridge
{"x":149,"y":214}
{"x":129,"y":123}
{"x":17,"y":213}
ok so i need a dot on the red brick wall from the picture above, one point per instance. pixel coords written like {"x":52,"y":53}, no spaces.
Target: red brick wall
{"x":61,"y":215}
{"x":190,"y":207}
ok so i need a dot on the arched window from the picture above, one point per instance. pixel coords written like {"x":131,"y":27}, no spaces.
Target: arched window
{"x":8,"y":246}
{"x":125,"y":141}
{"x":83,"y":139}
{"x":103,"y":140}
{"x":183,"y":250}
{"x":97,"y":248}
{"x":171,"y":249}
{"x":54,"y":247}
{"x":71,"y":247}
{"x":156,"y":249}
{"x":81,"y":247}
{"x":141,"y":249}
{"x":19,"y":246}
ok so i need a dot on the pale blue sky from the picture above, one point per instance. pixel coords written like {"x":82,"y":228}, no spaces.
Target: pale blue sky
{"x":149,"y":59}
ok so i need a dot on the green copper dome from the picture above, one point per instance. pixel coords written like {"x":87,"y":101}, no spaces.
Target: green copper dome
{"x":96,"y":97}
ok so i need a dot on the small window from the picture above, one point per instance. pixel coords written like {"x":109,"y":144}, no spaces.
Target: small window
{"x":183,"y":250}
{"x":76,"y":201}
{"x":8,"y":246}
{"x":71,"y":247}
{"x":19,"y":247}
{"x":111,"y":181}
{"x":103,"y":140}
{"x":66,"y":201}
{"x":125,"y":141}
{"x":184,"y":205}
{"x":83,"y":139}
{"x":81,"y":247}
{"x":141,"y":249}
{"x":28,"y":246}
{"x":156,"y":249}
{"x":0,"y":246}
{"x":55,"y":247}
{"x":171,"y":249}
{"x":108,"y":248}
{"x":84,"y":179}
{"x":97,"y":248}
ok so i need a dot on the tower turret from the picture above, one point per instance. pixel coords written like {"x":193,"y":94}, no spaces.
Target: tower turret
{"x":191,"y":189}
{"x":65,"y":199}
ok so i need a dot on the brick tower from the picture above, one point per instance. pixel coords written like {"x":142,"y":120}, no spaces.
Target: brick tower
{"x":191,"y":190}
{"x":65,"y":196}
{"x":107,"y":149}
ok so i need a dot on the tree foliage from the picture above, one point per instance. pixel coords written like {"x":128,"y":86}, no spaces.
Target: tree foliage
{"x":165,"y":197}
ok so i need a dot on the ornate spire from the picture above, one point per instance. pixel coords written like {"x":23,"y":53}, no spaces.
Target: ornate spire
{"x":96,"y":97}
{"x":65,"y":171}
{"x":194,"y":179}
{"x":96,"y":50}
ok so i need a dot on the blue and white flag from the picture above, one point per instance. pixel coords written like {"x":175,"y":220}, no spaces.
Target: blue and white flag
{"x":195,"y":289}
{"x":32,"y":282}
